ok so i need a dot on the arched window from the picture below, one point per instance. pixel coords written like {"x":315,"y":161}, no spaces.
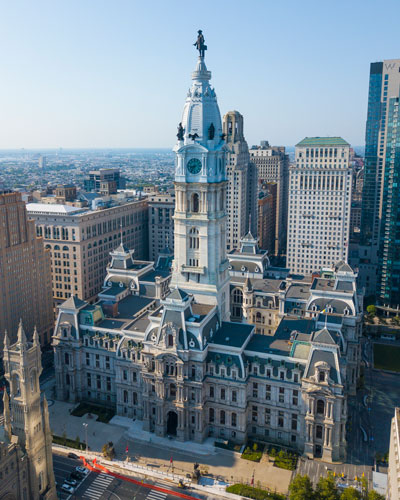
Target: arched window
{"x":320,"y":407}
{"x":195,"y":203}
{"x":65,"y":248}
{"x":33,"y":380}
{"x":56,"y":247}
{"x":194,"y":240}
{"x":222,"y":417}
{"x":15,"y":385}
{"x":211,"y":415}
{"x":258,"y":317}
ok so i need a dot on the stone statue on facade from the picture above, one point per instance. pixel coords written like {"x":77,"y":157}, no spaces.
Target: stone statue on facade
{"x":180,"y":133}
{"x":199,"y":44}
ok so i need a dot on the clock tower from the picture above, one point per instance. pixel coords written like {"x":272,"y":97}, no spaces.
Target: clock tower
{"x":200,"y":264}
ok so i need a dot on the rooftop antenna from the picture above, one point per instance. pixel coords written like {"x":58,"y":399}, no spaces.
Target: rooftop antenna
{"x":120,"y":230}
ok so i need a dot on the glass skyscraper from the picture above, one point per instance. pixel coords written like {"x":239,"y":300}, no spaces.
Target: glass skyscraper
{"x":380,"y":222}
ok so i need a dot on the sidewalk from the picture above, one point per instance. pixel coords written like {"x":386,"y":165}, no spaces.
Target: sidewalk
{"x":146,"y":449}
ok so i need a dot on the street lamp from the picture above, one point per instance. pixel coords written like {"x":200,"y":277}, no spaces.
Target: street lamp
{"x":85,"y":425}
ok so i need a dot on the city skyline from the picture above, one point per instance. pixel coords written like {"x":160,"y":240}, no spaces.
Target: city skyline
{"x":102,"y":80}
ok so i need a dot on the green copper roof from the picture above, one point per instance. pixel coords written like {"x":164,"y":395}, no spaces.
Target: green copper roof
{"x":323,"y":141}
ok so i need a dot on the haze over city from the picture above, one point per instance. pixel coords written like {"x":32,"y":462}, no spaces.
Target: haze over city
{"x":112,"y":74}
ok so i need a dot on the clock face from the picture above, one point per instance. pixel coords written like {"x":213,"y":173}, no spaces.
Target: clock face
{"x":194,"y":166}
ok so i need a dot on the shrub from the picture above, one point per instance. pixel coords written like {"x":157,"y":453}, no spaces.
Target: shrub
{"x":254,"y":493}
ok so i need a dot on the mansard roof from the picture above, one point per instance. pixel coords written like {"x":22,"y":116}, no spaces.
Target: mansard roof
{"x":323,"y":336}
{"x":328,"y":357}
{"x":73,"y":303}
{"x":177,"y":294}
{"x":232,"y":334}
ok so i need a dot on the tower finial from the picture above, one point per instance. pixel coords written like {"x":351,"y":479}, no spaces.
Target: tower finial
{"x":21,"y":333}
{"x":6,"y":340}
{"x":35,"y":337}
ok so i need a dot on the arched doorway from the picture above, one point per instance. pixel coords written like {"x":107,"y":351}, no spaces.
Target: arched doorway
{"x":172,"y":423}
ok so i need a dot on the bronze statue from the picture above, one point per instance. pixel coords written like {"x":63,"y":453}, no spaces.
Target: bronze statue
{"x":180,"y":133}
{"x":211,"y":132}
{"x":199,"y":44}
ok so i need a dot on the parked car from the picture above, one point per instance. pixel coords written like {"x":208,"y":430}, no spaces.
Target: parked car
{"x":71,"y":482}
{"x":73,"y":455}
{"x":77,"y":475}
{"x":82,"y":470}
{"x":68,"y":488}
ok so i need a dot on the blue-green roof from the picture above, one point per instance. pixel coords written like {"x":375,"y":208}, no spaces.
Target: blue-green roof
{"x":322,"y":141}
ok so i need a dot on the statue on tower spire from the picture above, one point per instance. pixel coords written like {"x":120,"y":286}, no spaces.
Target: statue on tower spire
{"x":199,"y":44}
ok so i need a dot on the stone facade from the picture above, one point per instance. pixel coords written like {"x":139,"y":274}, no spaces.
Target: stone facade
{"x":166,"y":353}
{"x":27,"y":464}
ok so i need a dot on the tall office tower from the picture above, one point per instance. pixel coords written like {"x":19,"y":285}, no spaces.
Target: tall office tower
{"x":161,"y":224}
{"x":393,"y":483}
{"x":266,"y":217}
{"x":42,"y":162}
{"x":25,"y":274}
{"x":272,"y":165}
{"x":26,"y":419}
{"x":103,"y":178}
{"x":241,"y":201}
{"x":319,"y":204}
{"x":380,"y":192}
{"x":80,"y":241}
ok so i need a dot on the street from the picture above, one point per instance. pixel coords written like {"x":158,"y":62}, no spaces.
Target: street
{"x":101,"y":486}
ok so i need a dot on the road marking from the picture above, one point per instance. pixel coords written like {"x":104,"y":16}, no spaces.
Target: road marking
{"x":156,"y":495}
{"x":98,"y":486}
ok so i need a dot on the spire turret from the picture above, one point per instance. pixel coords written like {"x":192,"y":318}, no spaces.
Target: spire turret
{"x":6,"y":414}
{"x":35,"y":337}
{"x":21,"y":333}
{"x":6,"y":341}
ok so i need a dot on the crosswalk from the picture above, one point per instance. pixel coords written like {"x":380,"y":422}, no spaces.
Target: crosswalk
{"x":99,"y":485}
{"x":157,"y":495}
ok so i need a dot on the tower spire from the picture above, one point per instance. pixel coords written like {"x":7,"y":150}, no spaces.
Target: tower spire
{"x":21,"y":333}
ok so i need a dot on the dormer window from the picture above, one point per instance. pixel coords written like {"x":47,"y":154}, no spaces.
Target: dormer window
{"x":321,"y":376}
{"x":170,"y":340}
{"x":347,"y":311}
{"x":243,"y":268}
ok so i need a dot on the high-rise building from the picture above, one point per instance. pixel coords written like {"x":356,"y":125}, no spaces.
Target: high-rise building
{"x":26,"y":422}
{"x":319,"y":205}
{"x":104,"y":178}
{"x":80,"y":240}
{"x":272,"y":165}
{"x":161,"y":223}
{"x":393,"y":490}
{"x":241,"y":197}
{"x":25,"y":273}
{"x":380,"y":204}
{"x":267,"y":217}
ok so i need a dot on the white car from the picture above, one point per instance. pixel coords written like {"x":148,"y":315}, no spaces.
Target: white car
{"x":82,"y":470}
{"x":68,"y":488}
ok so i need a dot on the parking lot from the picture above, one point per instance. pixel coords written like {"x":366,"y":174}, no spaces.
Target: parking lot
{"x":63,"y":467}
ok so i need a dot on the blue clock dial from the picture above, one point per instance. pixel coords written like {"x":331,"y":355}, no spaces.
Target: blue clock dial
{"x":194,"y":166}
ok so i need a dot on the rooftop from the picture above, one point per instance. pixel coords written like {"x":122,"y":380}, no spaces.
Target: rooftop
{"x":322,"y":141}
{"x":50,"y":208}
{"x":232,"y":334}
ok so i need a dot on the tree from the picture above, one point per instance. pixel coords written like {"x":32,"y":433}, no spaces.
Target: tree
{"x":373,"y":495}
{"x":301,"y":489}
{"x":350,"y":494}
{"x":371,"y":310}
{"x":108,"y":450}
{"x":327,"y":489}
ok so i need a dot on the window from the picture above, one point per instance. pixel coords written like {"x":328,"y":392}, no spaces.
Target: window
{"x":234,"y":420}
{"x":172,"y":391}
{"x":234,"y":396}
{"x":194,"y":240}
{"x":295,"y":400}
{"x":222,"y":393}
{"x":98,"y":382}
{"x":281,"y":395}
{"x":195,"y":203}
{"x":66,"y":358}
{"x":322,"y":376}
{"x":211,"y":415}
{"x":280,"y":419}
{"x":320,"y":407}
{"x":294,"y":422}
{"x":318,"y":432}
{"x":255,"y":390}
{"x":211,"y":391}
{"x":222,"y":417}
{"x":124,"y":375}
{"x":87,"y":359}
{"x":254,"y":414}
{"x":170,"y":340}
{"x":267,"y":416}
{"x":268,"y":392}
{"x":125,"y":396}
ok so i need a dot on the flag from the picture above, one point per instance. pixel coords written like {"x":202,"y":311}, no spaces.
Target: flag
{"x":170,"y":460}
{"x":252,"y":479}
{"x":126,"y":449}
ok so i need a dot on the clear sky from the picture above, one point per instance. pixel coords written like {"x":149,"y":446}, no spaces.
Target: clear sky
{"x":114,"y":73}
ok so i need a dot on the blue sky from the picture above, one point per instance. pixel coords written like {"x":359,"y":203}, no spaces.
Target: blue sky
{"x":114,"y":73}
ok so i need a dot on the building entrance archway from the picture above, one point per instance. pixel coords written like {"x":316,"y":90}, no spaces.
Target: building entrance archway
{"x":172,"y":423}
